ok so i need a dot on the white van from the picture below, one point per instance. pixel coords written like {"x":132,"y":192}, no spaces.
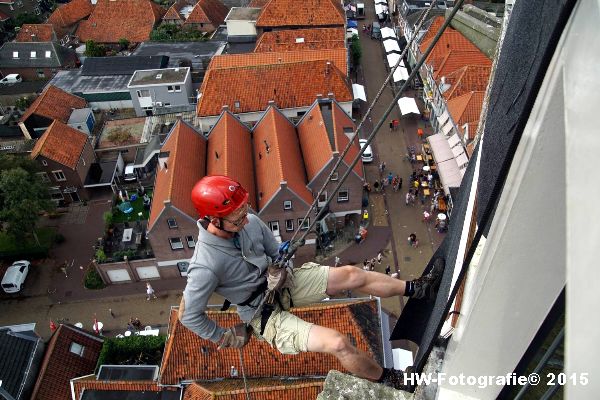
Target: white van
{"x":130,"y":175}
{"x":10,"y":79}
{"x":15,"y":275}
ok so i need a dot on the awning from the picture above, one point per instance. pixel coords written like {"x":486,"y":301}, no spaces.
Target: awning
{"x":387,"y":33}
{"x":408,"y":105}
{"x":393,"y":58}
{"x":458,"y":150}
{"x":391,"y":45}
{"x":462,"y":160}
{"x":400,"y":74}
{"x":453,"y":140}
{"x":352,"y":23}
{"x":380,"y":9}
{"x":448,"y":127}
{"x":448,"y":167}
{"x":450,"y":175}
{"x":440,"y":148}
{"x":359,"y":92}
{"x":443,"y":118}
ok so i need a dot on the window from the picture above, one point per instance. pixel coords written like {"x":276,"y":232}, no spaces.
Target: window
{"x":167,"y":104}
{"x":176,"y":243}
{"x":342,"y":195}
{"x":236,"y":104}
{"x":48,"y":54}
{"x":177,"y":88}
{"x":170,"y":89}
{"x":334,"y":176}
{"x":59,"y":176}
{"x":76,"y":348}
{"x":303,"y":226}
{"x":172,"y":223}
{"x":33,"y":54}
{"x":287,"y":205}
{"x":289,"y":224}
{"x":44,"y":177}
{"x":143,"y":93}
{"x":15,"y":54}
{"x":55,"y":193}
{"x":190,"y":241}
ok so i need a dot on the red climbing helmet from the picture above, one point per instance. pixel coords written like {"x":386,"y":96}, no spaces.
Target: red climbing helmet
{"x":218,"y":196}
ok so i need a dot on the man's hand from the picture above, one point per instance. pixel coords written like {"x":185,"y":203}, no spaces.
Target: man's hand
{"x":235,"y":337}
{"x":279,"y":278}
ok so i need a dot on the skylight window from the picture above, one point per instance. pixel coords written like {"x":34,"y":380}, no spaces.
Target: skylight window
{"x":300,"y":40}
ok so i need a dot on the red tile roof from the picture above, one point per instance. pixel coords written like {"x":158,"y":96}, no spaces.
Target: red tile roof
{"x":287,"y":84}
{"x":208,"y":12}
{"x":68,"y":14}
{"x":466,"y":79}
{"x":186,"y":164}
{"x":60,"y":365}
{"x":79,"y":385}
{"x":61,"y":143}
{"x":229,"y":153}
{"x":173,"y":14}
{"x":466,"y":108}
{"x":318,"y":144}
{"x":189,"y":357}
{"x":337,"y":56}
{"x":456,"y":59}
{"x":36,"y":33}
{"x":116,"y":19}
{"x":436,"y":23}
{"x":290,"y":13}
{"x":4,"y":16}
{"x":301,"y":39}
{"x":260,"y":389}
{"x":450,"y":40}
{"x":277,"y":158}
{"x":54,"y":103}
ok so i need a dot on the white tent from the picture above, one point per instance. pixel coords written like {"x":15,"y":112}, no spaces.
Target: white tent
{"x":453,"y":140}
{"x":393,"y":58}
{"x":448,"y":167}
{"x":408,"y":105}
{"x":387,"y":33}
{"x":391,"y":45}
{"x":379,"y":9}
{"x":359,"y":92}
{"x":400,"y":74}
{"x":443,"y":118}
{"x":446,"y":129}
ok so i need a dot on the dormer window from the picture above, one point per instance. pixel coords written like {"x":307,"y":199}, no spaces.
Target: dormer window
{"x":48,"y":54}
{"x":172,"y":223}
{"x":15,"y":54}
{"x":236,"y":104}
{"x":287,"y":205}
{"x":33,"y":54}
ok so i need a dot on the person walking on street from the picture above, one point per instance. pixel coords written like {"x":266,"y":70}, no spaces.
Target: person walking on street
{"x":234,"y":257}
{"x":391,"y":126}
{"x":150,"y":294}
{"x":413,"y":241}
{"x":379,"y":257}
{"x":388,"y":270}
{"x":337,"y":261}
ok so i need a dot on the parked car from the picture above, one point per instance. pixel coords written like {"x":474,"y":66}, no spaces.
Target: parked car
{"x":10,"y":79}
{"x":367,"y":156}
{"x":15,"y":275}
{"x":130,"y":175}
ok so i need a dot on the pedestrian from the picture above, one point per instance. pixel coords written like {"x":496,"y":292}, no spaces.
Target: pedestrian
{"x":379,"y":257}
{"x":365,"y":263}
{"x":396,"y":124}
{"x":413,"y":241}
{"x":226,"y":231}
{"x":388,"y":270}
{"x":426,"y":216}
{"x":337,"y":261}
{"x":130,"y":327}
{"x":408,"y":197}
{"x":391,"y":126}
{"x":150,"y":292}
{"x":110,"y":311}
{"x":390,"y":177}
{"x":399,"y":183}
{"x":420,"y":133}
{"x":135,"y":322}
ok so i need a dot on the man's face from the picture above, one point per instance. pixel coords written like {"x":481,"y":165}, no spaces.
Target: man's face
{"x":235,"y":221}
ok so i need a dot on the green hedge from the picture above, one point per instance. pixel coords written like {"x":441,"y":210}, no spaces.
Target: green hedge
{"x":132,"y":350}
{"x":92,"y":279}
{"x":10,"y":249}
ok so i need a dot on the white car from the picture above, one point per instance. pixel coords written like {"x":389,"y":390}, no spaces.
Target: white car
{"x":367,"y":156}
{"x":15,"y":275}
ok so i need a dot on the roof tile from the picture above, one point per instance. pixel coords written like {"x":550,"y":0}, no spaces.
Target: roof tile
{"x":278,"y":158}
{"x":60,"y":365}
{"x":260,"y":389}
{"x":286,"y":84}
{"x":68,"y":14}
{"x":54,"y":103}
{"x":36,"y":33}
{"x":185,"y":166}
{"x":467,"y":78}
{"x":208,"y":12}
{"x":189,"y":357}
{"x":336,"y":56}
{"x":61,"y":143}
{"x":280,"y":13}
{"x":230,"y":153}
{"x":112,"y":20}
{"x":91,"y":383}
{"x":466,"y":108}
{"x":456,"y":59}
{"x":301,"y":39}
{"x":450,"y":40}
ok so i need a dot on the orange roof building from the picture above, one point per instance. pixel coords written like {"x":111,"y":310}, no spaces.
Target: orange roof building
{"x":112,"y":20}
{"x":205,"y":15}
{"x":466,"y":109}
{"x":188,"y":357}
{"x":251,"y":88}
{"x":466,"y":79}
{"x":36,"y":33}
{"x":301,"y":39}
{"x":456,"y":59}
{"x":259,"y":389}
{"x":337,"y":56}
{"x":62,"y":144}
{"x":450,"y":40}
{"x":294,"y":14}
{"x":64,"y":19}
{"x":229,"y":153}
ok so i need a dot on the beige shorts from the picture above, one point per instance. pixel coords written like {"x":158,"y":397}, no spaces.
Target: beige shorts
{"x":285,"y":331}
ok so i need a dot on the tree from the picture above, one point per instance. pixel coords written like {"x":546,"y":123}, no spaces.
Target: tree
{"x":123,"y":43}
{"x":355,"y":51}
{"x":93,"y":49}
{"x":22,"y":196}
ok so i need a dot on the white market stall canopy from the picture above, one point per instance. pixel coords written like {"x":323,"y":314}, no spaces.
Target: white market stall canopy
{"x":448,"y":127}
{"x":379,"y":9}
{"x":391,"y":45}
{"x":387,"y":33}
{"x":453,"y":140}
{"x":359,"y":92}
{"x":400,"y":74}
{"x":408,"y":105}
{"x":393,"y":58}
{"x":443,"y":118}
{"x":450,"y":169}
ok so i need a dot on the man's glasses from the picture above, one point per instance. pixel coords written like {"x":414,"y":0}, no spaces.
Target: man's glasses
{"x":240,"y":220}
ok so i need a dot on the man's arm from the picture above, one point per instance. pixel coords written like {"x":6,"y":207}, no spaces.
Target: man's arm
{"x":200,"y":286}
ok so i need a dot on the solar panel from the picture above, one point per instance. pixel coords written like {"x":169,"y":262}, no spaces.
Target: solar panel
{"x":127,"y":372}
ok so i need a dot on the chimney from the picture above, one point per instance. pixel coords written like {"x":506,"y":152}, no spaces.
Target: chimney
{"x":271,"y":103}
{"x":283,"y":184}
{"x":225,"y":107}
{"x":330,"y":95}
{"x":33,"y":37}
{"x":319,"y":96}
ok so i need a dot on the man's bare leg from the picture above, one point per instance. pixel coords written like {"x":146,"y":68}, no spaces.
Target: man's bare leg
{"x":349,"y":277}
{"x":355,"y":361}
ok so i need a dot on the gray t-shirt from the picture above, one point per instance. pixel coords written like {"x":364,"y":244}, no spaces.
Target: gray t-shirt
{"x":218,"y":266}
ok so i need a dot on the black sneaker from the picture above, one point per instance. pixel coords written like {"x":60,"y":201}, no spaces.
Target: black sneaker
{"x":394,"y":378}
{"x":426,"y":286}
